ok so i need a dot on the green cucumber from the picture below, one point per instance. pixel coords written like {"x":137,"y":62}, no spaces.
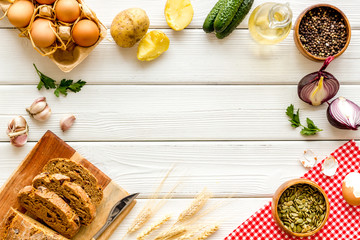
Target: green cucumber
{"x":208,"y":25}
{"x":239,"y":16}
{"x":226,"y":14}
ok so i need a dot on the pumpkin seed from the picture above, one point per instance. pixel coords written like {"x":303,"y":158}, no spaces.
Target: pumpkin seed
{"x":301,"y":208}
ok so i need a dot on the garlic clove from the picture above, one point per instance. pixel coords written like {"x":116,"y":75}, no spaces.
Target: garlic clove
{"x":43,"y":115}
{"x":18,"y":131}
{"x":66,"y":122}
{"x":329,"y":166}
{"x":19,"y":141}
{"x":308,"y":159}
{"x":39,"y":109}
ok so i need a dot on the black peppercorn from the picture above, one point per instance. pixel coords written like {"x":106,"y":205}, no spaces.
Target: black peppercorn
{"x":323,"y":32}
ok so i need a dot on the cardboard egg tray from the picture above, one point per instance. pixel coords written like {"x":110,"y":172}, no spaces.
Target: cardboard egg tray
{"x":69,"y":55}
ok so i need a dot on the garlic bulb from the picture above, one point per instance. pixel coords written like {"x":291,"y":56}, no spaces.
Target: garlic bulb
{"x":18,"y":131}
{"x":66,"y":122}
{"x":39,"y":110}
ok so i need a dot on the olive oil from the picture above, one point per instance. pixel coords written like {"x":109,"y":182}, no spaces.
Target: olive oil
{"x":270,"y":23}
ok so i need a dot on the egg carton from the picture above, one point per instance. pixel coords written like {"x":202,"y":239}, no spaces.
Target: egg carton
{"x":66,"y":55}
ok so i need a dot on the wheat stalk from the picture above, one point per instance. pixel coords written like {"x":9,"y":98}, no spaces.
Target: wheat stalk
{"x":197,"y":204}
{"x":173,"y":232}
{"x":149,"y":209}
{"x":153,"y":227}
{"x":207,"y":232}
{"x":141,"y":219}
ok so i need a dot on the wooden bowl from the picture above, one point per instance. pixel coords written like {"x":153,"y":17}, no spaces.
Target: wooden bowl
{"x":298,"y":43}
{"x":277,"y":196}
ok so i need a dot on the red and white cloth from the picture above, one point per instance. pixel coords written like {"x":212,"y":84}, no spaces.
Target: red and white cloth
{"x":344,"y":220}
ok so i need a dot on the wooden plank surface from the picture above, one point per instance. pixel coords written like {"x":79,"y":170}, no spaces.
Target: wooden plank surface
{"x":48,"y":147}
{"x":233,"y":139}
{"x":106,"y":11}
{"x":237,"y":169}
{"x":234,"y":60}
{"x":175,"y":113}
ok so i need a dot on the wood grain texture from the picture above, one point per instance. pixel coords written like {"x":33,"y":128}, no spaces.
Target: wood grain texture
{"x":48,"y":147}
{"x":234,"y":60}
{"x":175,"y":113}
{"x":238,"y":169}
{"x":106,"y":11}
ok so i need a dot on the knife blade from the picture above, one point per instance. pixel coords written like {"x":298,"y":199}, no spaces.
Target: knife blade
{"x":116,"y":210}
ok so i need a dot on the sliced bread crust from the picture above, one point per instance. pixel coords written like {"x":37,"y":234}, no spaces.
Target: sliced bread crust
{"x":78,"y":174}
{"x":51,"y":209}
{"x":71,"y":192}
{"x":19,"y":226}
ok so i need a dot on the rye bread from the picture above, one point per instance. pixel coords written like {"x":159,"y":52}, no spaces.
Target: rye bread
{"x":78,"y":174}
{"x":51,"y":209}
{"x":70,"y":192}
{"x":19,"y":226}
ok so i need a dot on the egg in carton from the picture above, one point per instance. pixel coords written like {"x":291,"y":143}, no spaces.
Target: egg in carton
{"x":66,"y":31}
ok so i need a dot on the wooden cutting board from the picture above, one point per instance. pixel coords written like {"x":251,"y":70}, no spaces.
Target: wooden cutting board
{"x":50,"y":146}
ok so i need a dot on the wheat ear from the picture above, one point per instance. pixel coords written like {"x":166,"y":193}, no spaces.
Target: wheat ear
{"x":207,"y":232}
{"x":140,"y":219}
{"x":198,"y":203}
{"x":148,"y":210}
{"x":153,"y":227}
{"x":169,"y":234}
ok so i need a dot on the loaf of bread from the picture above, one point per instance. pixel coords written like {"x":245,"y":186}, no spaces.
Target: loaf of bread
{"x":51,"y":209}
{"x":78,"y":174}
{"x":71,"y":192}
{"x":18,"y":226}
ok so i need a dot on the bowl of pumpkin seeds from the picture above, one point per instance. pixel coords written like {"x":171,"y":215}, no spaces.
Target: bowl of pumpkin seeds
{"x":300,"y":207}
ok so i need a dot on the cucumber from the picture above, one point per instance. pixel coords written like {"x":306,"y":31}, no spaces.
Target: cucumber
{"x":208,"y":25}
{"x":226,"y":14}
{"x":239,"y":16}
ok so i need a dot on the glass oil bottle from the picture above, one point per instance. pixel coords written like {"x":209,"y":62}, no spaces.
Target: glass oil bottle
{"x":270,"y":23}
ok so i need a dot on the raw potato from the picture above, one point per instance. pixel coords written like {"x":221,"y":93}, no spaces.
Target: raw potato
{"x":129,"y":26}
{"x":178,"y":14}
{"x":152,"y":45}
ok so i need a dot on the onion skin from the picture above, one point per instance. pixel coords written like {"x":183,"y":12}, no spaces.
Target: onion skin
{"x":318,"y":82}
{"x":342,"y":119}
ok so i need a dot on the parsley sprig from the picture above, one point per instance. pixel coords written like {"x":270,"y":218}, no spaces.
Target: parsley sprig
{"x":311,"y":128}
{"x":61,"y":88}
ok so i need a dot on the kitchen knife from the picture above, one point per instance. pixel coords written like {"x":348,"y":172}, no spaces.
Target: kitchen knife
{"x":117,"y":209}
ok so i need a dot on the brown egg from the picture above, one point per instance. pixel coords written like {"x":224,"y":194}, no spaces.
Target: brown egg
{"x":85,"y":33}
{"x":42,"y":34}
{"x":351,"y":188}
{"x":20,"y":13}
{"x":67,"y":10}
{"x":45,"y":1}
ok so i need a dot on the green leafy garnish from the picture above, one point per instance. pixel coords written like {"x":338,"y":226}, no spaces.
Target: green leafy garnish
{"x":295,"y":117}
{"x":61,"y":88}
{"x":311,"y":128}
{"x":45,"y":81}
{"x":66,"y":85}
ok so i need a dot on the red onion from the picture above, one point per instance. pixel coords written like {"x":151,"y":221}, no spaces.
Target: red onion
{"x":344,"y":114}
{"x":318,"y":87}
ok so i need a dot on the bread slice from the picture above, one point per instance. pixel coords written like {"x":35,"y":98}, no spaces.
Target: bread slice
{"x":70,"y":192}
{"x":19,"y":226}
{"x":51,"y":209}
{"x":78,"y":174}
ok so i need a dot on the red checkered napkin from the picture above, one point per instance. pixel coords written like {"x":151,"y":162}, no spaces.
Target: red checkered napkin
{"x":343,"y":221}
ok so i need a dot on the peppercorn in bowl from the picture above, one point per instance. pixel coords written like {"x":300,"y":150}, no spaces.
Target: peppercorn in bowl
{"x":321,"y":31}
{"x":300,"y":207}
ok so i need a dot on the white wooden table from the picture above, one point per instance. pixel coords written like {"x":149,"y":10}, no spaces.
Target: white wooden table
{"x":214,"y":107}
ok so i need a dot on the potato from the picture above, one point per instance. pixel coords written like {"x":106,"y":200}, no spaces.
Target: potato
{"x":129,"y":26}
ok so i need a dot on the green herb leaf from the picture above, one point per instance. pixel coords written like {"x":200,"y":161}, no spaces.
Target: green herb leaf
{"x":295,"y":118}
{"x":45,"y":81}
{"x":311,"y":128}
{"x":66,"y":85}
{"x":62,"y":88}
